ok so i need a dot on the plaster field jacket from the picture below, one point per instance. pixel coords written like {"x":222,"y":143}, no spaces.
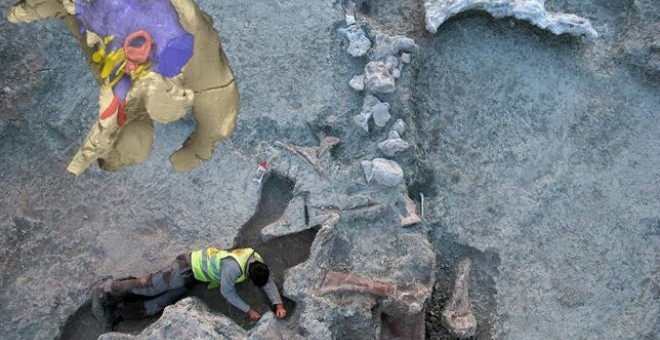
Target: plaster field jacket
{"x":222,"y":268}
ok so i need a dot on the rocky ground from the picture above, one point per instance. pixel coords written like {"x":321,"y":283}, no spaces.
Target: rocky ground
{"x":537,"y":157}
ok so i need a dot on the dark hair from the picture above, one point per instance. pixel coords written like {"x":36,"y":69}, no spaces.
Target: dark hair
{"x":258,"y":272}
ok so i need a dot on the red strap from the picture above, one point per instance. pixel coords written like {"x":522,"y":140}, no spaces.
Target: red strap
{"x":111,"y":109}
{"x":121,"y":118}
{"x":117,"y":106}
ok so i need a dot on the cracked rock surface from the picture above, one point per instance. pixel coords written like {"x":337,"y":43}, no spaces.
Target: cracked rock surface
{"x":535,"y":156}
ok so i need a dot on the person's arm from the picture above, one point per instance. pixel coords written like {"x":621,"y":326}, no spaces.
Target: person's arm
{"x":274,"y":296}
{"x":228,"y":275}
{"x":271,"y":291}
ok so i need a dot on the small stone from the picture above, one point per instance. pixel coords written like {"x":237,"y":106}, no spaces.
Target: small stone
{"x":7,"y":89}
{"x":362,"y":119}
{"x":350,"y":19}
{"x":357,"y":83}
{"x":399,"y":126}
{"x":370,"y":101}
{"x":406,"y":58}
{"x":386,"y":45}
{"x":378,"y":77}
{"x":381,"y":114}
{"x":396,"y":73}
{"x":393,"y":135}
{"x":358,"y":43}
{"x":391,"y":146}
{"x":386,"y":172}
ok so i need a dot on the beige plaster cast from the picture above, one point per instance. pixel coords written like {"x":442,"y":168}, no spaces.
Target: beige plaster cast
{"x":206,"y":83}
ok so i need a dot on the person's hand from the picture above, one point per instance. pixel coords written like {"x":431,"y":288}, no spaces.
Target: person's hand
{"x":253,"y":315}
{"x":280,"y":312}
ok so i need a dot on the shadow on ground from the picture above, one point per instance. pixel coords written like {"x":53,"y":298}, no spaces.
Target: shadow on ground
{"x":280,"y":254}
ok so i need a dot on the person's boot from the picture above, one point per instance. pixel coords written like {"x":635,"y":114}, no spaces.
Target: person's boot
{"x":132,"y":310}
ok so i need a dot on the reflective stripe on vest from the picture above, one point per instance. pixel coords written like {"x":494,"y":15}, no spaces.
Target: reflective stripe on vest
{"x":214,"y":266}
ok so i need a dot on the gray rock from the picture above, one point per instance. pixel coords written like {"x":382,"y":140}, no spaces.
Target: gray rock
{"x":357,"y":83}
{"x":316,"y":329}
{"x":188,"y":319}
{"x":396,"y":73}
{"x":458,"y":316}
{"x":269,"y":328}
{"x":350,"y":19}
{"x":367,"y":168}
{"x":384,"y":67}
{"x":358,"y":43}
{"x":385,"y":172}
{"x":349,"y":12}
{"x":381,"y":114}
{"x":438,"y":11}
{"x":391,"y":146}
{"x":406,"y":58}
{"x":371,"y":105}
{"x":362,"y":120}
{"x":391,"y":46}
{"x":379,"y":78}
{"x":399,"y":127}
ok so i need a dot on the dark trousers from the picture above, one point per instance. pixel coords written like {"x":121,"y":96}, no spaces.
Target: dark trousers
{"x":148,"y":295}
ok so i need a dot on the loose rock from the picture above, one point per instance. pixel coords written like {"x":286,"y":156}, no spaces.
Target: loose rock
{"x":379,"y":78}
{"x":399,"y":127}
{"x":381,"y":114}
{"x":384,"y":171}
{"x":358,"y":43}
{"x":188,"y":319}
{"x":387,"y":45}
{"x":391,"y":146}
{"x":357,"y":83}
{"x":406,"y":58}
{"x":370,"y":106}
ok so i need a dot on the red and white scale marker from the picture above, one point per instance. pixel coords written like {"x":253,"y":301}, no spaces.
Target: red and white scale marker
{"x":261,"y":172}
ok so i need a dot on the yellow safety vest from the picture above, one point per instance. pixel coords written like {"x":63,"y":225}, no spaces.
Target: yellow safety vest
{"x":206,"y":263}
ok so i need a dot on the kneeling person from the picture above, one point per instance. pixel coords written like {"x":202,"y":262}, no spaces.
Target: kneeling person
{"x":148,"y":295}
